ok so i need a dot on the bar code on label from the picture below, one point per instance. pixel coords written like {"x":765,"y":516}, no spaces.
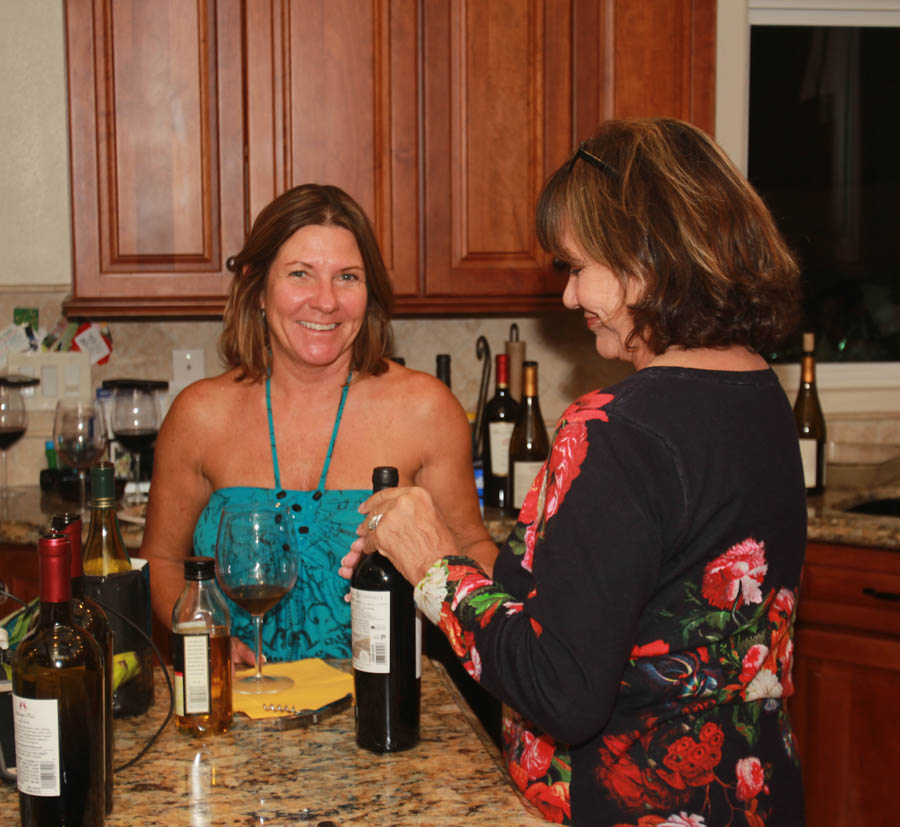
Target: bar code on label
{"x":379,"y":651}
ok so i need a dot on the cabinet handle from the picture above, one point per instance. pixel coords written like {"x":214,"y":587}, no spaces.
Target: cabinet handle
{"x":880,"y":595}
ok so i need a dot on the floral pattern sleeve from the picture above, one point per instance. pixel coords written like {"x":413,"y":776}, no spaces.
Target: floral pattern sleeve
{"x":638,"y":626}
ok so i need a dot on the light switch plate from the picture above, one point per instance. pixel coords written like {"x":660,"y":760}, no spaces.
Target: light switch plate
{"x":63,"y":376}
{"x":187,"y":367}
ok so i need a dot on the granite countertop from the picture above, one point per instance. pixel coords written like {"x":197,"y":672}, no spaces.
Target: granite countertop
{"x":30,"y":512}
{"x":256,"y":774}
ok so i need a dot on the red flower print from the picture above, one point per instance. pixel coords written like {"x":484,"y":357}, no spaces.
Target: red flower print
{"x":567,"y":455}
{"x":450,"y":626}
{"x":473,"y":664}
{"x":734,"y":577}
{"x":750,"y":778}
{"x":530,"y":539}
{"x":691,"y":762}
{"x":782,"y":606}
{"x":552,"y":801}
{"x":538,"y":629}
{"x":648,"y":650}
{"x":712,"y":734}
{"x":518,"y":775}
{"x":537,"y":755}
{"x":752,"y":662}
{"x":467,"y":585}
{"x":588,"y":407}
{"x":634,"y":789}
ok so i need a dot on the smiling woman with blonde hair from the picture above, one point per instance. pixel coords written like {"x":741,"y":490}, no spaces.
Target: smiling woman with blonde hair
{"x":638,"y":621}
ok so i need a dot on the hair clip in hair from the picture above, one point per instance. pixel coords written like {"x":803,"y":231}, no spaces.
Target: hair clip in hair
{"x":593,"y":160}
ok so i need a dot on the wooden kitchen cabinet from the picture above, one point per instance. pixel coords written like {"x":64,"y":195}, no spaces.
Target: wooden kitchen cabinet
{"x":846,"y":672}
{"x":441,"y":117}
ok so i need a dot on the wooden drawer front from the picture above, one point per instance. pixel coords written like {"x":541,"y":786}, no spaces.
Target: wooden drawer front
{"x":840,"y":596}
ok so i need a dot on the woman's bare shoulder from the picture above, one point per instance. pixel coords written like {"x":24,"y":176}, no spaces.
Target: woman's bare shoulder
{"x":413,"y":392}
{"x":207,"y":402}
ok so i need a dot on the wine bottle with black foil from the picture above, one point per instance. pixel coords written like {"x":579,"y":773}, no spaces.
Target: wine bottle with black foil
{"x":810,"y":421}
{"x":104,"y":549}
{"x":500,"y":415}
{"x":528,"y":445}
{"x":201,"y":652}
{"x":58,"y":706}
{"x":89,"y":615}
{"x":386,"y":635}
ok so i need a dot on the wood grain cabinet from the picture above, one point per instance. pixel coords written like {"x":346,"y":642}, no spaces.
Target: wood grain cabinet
{"x":846,"y":710}
{"x":441,"y":117}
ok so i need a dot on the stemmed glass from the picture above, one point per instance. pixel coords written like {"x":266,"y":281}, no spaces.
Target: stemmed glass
{"x":256,"y":565}
{"x":13,"y":422}
{"x":135,"y":423}
{"x":79,"y":434}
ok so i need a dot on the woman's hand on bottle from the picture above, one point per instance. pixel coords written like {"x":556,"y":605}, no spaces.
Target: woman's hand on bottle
{"x":410,"y":532}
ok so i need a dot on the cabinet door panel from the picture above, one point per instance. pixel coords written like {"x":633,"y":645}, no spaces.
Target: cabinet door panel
{"x":846,"y":720}
{"x":347,"y":112}
{"x":497,"y":121}
{"x":156,"y":149}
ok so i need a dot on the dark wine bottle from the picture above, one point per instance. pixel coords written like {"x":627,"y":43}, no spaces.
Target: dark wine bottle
{"x":528,"y":445}
{"x":442,"y":368}
{"x":810,"y":421}
{"x":386,"y":636}
{"x":500,"y":415}
{"x":58,"y":706}
{"x":88,"y":614}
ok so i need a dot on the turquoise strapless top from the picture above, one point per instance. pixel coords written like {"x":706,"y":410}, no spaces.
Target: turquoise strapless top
{"x":313,"y":619}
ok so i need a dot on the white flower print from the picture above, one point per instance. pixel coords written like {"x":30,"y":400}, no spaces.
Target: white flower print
{"x":432,"y":591}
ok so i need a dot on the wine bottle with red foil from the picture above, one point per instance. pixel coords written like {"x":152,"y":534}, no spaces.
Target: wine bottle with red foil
{"x":88,"y":614}
{"x":810,"y":421}
{"x":500,"y":416}
{"x":386,"y":640}
{"x":528,"y":446}
{"x":58,"y":706}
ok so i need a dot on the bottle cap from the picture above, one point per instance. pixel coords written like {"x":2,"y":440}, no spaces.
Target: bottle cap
{"x":199,"y":568}
{"x":384,"y":476}
{"x":60,"y":520}
{"x":809,"y":342}
{"x":103,"y":483}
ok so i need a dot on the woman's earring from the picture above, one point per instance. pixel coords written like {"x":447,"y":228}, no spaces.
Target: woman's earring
{"x":262,"y":313}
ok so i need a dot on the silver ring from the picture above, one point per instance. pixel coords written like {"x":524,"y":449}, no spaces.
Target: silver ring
{"x":373,"y":521}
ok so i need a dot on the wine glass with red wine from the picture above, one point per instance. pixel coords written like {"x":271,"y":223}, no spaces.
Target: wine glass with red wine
{"x":13,"y":421}
{"x":79,"y":434}
{"x":256,"y":565}
{"x":135,"y":424}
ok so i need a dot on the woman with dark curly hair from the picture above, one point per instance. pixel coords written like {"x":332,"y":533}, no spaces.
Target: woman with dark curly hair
{"x":309,"y":405}
{"x":638,"y":621}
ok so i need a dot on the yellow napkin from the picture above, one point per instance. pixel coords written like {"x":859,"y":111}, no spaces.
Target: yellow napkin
{"x":315,"y":684}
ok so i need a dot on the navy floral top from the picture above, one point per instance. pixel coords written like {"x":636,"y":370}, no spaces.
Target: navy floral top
{"x":639,"y":623}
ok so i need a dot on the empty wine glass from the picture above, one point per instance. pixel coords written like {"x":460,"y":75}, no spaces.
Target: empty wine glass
{"x":135,"y":423}
{"x":256,"y":565}
{"x":79,"y":435}
{"x":13,"y":422}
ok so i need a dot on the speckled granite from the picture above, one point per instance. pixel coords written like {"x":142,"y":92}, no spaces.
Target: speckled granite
{"x":257,"y":775}
{"x":28,"y":514}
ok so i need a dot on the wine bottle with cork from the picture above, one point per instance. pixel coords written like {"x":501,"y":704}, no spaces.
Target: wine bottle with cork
{"x":810,"y":421}
{"x":529,"y":445}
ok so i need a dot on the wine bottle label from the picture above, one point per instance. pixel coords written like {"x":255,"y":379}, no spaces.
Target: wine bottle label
{"x":36,"y":725}
{"x":808,"y":456}
{"x":499,"y":434}
{"x":523,"y":475}
{"x":191,"y":668}
{"x":370,"y":630}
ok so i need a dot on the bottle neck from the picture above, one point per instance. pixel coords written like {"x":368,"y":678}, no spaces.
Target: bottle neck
{"x":808,"y":369}
{"x":529,"y":383}
{"x":56,"y":582}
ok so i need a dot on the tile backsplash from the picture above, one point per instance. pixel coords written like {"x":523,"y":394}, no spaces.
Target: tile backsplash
{"x":568,"y":363}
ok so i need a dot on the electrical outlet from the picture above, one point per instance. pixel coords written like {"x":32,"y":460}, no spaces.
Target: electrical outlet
{"x":187,"y":367}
